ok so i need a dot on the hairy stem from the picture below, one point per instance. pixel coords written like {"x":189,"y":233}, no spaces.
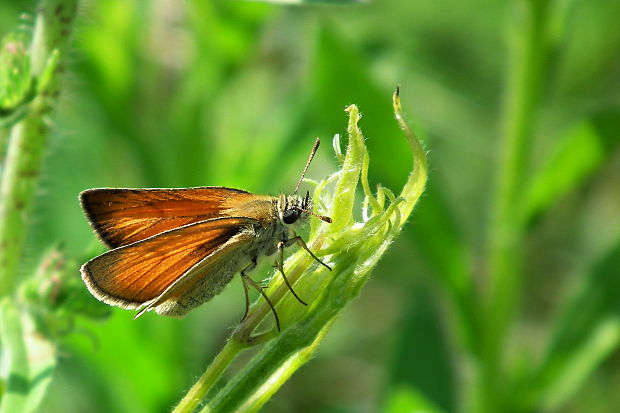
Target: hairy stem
{"x":28,"y":138}
{"x":209,"y":378}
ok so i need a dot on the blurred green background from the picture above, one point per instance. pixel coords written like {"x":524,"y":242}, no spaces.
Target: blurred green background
{"x":175,"y":94}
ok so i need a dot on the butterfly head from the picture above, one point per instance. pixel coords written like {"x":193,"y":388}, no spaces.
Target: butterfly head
{"x":294,"y":209}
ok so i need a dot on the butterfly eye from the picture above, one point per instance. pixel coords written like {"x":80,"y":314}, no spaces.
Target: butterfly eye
{"x":290,"y":215}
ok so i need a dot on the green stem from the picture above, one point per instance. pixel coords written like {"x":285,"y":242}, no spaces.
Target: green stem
{"x":281,"y":375}
{"x":269,"y":370}
{"x":527,"y":68}
{"x":209,"y":378}
{"x":28,"y":138}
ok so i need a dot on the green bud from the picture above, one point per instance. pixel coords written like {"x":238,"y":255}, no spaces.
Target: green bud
{"x":15,"y":77}
{"x":55,"y":295}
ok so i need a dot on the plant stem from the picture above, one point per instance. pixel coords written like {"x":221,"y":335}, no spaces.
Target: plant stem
{"x":210,"y":377}
{"x":267,"y":372}
{"x":281,"y":375}
{"x":28,"y":138}
{"x":527,"y":67}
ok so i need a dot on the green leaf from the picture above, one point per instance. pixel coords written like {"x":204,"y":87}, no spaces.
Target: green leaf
{"x":587,"y":331}
{"x":602,"y":340}
{"x":422,"y":357}
{"x":576,"y":157}
{"x":16,"y":85}
{"x":15,"y":80}
{"x":444,"y":250}
{"x":405,"y":399}
{"x":314,"y":2}
{"x":55,"y":296}
{"x":14,"y":370}
{"x":28,"y":361}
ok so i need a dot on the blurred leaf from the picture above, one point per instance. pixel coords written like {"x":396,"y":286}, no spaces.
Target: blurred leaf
{"x":113,"y":24}
{"x":405,"y":399}
{"x":341,"y":76}
{"x":15,"y":79}
{"x":441,"y":243}
{"x":28,"y":361}
{"x":421,"y":358}
{"x":16,"y":84}
{"x":313,"y":2}
{"x":575,"y":158}
{"x":602,"y":341}
{"x":14,"y":371}
{"x":587,"y":331}
{"x":55,"y":296}
{"x":259,"y":110}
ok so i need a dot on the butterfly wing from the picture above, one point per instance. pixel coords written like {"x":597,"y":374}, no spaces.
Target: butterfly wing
{"x":123,"y":216}
{"x":139,"y":273}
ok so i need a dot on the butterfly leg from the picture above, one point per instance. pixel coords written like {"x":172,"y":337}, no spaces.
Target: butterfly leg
{"x":249,"y":281}
{"x":299,"y":240}
{"x":280,"y":266}
{"x":244,"y":275}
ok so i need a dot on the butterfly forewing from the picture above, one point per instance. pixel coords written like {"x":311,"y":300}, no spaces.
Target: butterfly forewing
{"x":142,"y":271}
{"x":124,"y":216}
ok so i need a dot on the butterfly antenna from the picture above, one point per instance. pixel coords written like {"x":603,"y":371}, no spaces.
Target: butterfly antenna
{"x":314,"y":214}
{"x":312,"y":152}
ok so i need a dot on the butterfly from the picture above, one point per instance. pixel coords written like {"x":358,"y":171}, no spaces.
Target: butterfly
{"x":173,"y":249}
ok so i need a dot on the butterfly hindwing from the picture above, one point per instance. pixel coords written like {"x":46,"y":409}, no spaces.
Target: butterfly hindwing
{"x":134,"y":274}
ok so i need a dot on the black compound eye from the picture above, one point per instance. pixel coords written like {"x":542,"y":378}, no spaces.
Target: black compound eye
{"x":290,"y":215}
